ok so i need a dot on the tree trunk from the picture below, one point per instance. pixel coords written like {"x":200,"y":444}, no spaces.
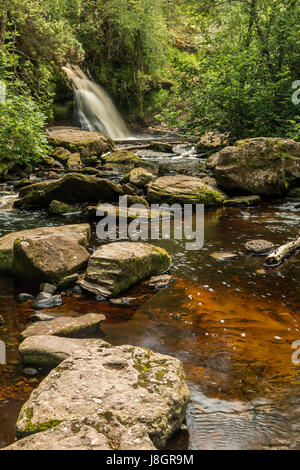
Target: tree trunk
{"x":279,"y":255}
{"x":3,"y":24}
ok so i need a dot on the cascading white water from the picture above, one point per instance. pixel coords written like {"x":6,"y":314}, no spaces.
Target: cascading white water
{"x":96,"y":110}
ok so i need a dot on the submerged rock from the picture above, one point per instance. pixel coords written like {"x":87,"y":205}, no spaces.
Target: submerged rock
{"x":225,"y":256}
{"x":115,"y":267}
{"x":259,"y":247}
{"x":160,"y":282}
{"x":184,"y":190}
{"x":49,"y":259}
{"x":263,"y":166}
{"x":242,"y":201}
{"x":72,"y":188}
{"x":78,"y":233}
{"x":68,"y":327}
{"x":134,"y":397}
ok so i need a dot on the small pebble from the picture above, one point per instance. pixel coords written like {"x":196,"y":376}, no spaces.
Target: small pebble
{"x":30,"y":371}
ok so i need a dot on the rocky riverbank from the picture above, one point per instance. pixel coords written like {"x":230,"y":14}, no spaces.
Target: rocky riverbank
{"x":63,"y":259}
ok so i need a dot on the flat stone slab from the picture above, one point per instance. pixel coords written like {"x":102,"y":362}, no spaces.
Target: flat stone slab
{"x":224,"y":256}
{"x":259,"y":247}
{"x":49,"y":351}
{"x":243,"y":201}
{"x":115,"y":267}
{"x":160,"y":282}
{"x":78,"y":233}
{"x":75,"y":327}
{"x":130,"y":394}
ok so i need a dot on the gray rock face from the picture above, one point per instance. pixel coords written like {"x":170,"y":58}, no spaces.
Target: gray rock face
{"x":184,"y":190}
{"x":132,"y":396}
{"x":259,"y":247}
{"x":49,"y":351}
{"x":45,"y":300}
{"x":115,"y":267}
{"x":49,"y":259}
{"x":78,"y":327}
{"x":79,"y":233}
{"x":263,"y":166}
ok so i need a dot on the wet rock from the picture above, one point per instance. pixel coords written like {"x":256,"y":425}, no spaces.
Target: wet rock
{"x":294,"y":193}
{"x":129,"y":301}
{"x":44,"y":300}
{"x":161,"y":147}
{"x":133,"y":396}
{"x":263,"y":166}
{"x":242,"y":201}
{"x":160,"y":282}
{"x":48,"y":260}
{"x":115,"y":267}
{"x":72,"y":188}
{"x":121,"y":156}
{"x":1,"y":320}
{"x":68,"y":327}
{"x":60,"y":208}
{"x":62,"y":154}
{"x":77,"y":140}
{"x":224,"y":256}
{"x":74,"y":161}
{"x":99,"y":298}
{"x":127,"y":213}
{"x":68,"y":281}
{"x":30,"y":372}
{"x":49,"y":161}
{"x":23,"y":183}
{"x":79,"y":233}
{"x":40,"y":316}
{"x":140,"y":177}
{"x":49,"y":351}
{"x":77,"y":290}
{"x":48,"y":288}
{"x":24,"y":297}
{"x":183,"y":190}
{"x":259,"y":247}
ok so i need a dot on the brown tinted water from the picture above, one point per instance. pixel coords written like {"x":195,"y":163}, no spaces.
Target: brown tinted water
{"x":231,"y":327}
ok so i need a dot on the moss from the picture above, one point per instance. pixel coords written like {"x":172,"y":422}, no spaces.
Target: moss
{"x":30,"y":428}
{"x":121,"y":156}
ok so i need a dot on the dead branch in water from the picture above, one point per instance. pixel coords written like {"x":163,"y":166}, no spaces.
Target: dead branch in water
{"x":284,"y":251}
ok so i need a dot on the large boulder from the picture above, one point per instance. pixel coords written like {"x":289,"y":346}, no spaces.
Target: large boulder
{"x":263,"y":166}
{"x":134,"y":397}
{"x":67,"y":327}
{"x":115,"y":267}
{"x":72,"y":188}
{"x":47,"y":260}
{"x":79,"y":233}
{"x":184,"y":190}
{"x":75,"y":140}
{"x":140,"y":177}
{"x":121,"y":156}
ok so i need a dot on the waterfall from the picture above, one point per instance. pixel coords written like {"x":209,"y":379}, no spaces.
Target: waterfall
{"x":96,"y":110}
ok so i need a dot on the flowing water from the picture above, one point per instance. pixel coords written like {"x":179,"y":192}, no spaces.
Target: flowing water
{"x":96,"y":111}
{"x":231,"y":326}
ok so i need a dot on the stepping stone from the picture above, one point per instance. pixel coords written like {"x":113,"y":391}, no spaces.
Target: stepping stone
{"x":160,"y":282}
{"x":44,"y":300}
{"x":259,"y":247}
{"x":78,"y":327}
{"x":242,"y":201}
{"x":224,"y":256}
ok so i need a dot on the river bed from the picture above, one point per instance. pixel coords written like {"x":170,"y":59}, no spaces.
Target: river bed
{"x":232,"y":328}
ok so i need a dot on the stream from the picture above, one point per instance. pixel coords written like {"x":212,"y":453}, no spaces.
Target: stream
{"x":231,"y":324}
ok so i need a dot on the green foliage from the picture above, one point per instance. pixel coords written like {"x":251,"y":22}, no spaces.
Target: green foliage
{"x":247,"y":62}
{"x":22,"y":137}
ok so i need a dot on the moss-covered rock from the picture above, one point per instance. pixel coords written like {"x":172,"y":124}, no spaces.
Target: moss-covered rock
{"x":78,"y":233}
{"x":60,"y":208}
{"x":121,"y":156}
{"x":74,"y":161}
{"x":263,"y":166}
{"x":242,"y":201}
{"x":115,"y":267}
{"x":47,"y":260}
{"x":184,"y":190}
{"x":140,"y":177}
{"x":73,"y":188}
{"x":77,"y":140}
